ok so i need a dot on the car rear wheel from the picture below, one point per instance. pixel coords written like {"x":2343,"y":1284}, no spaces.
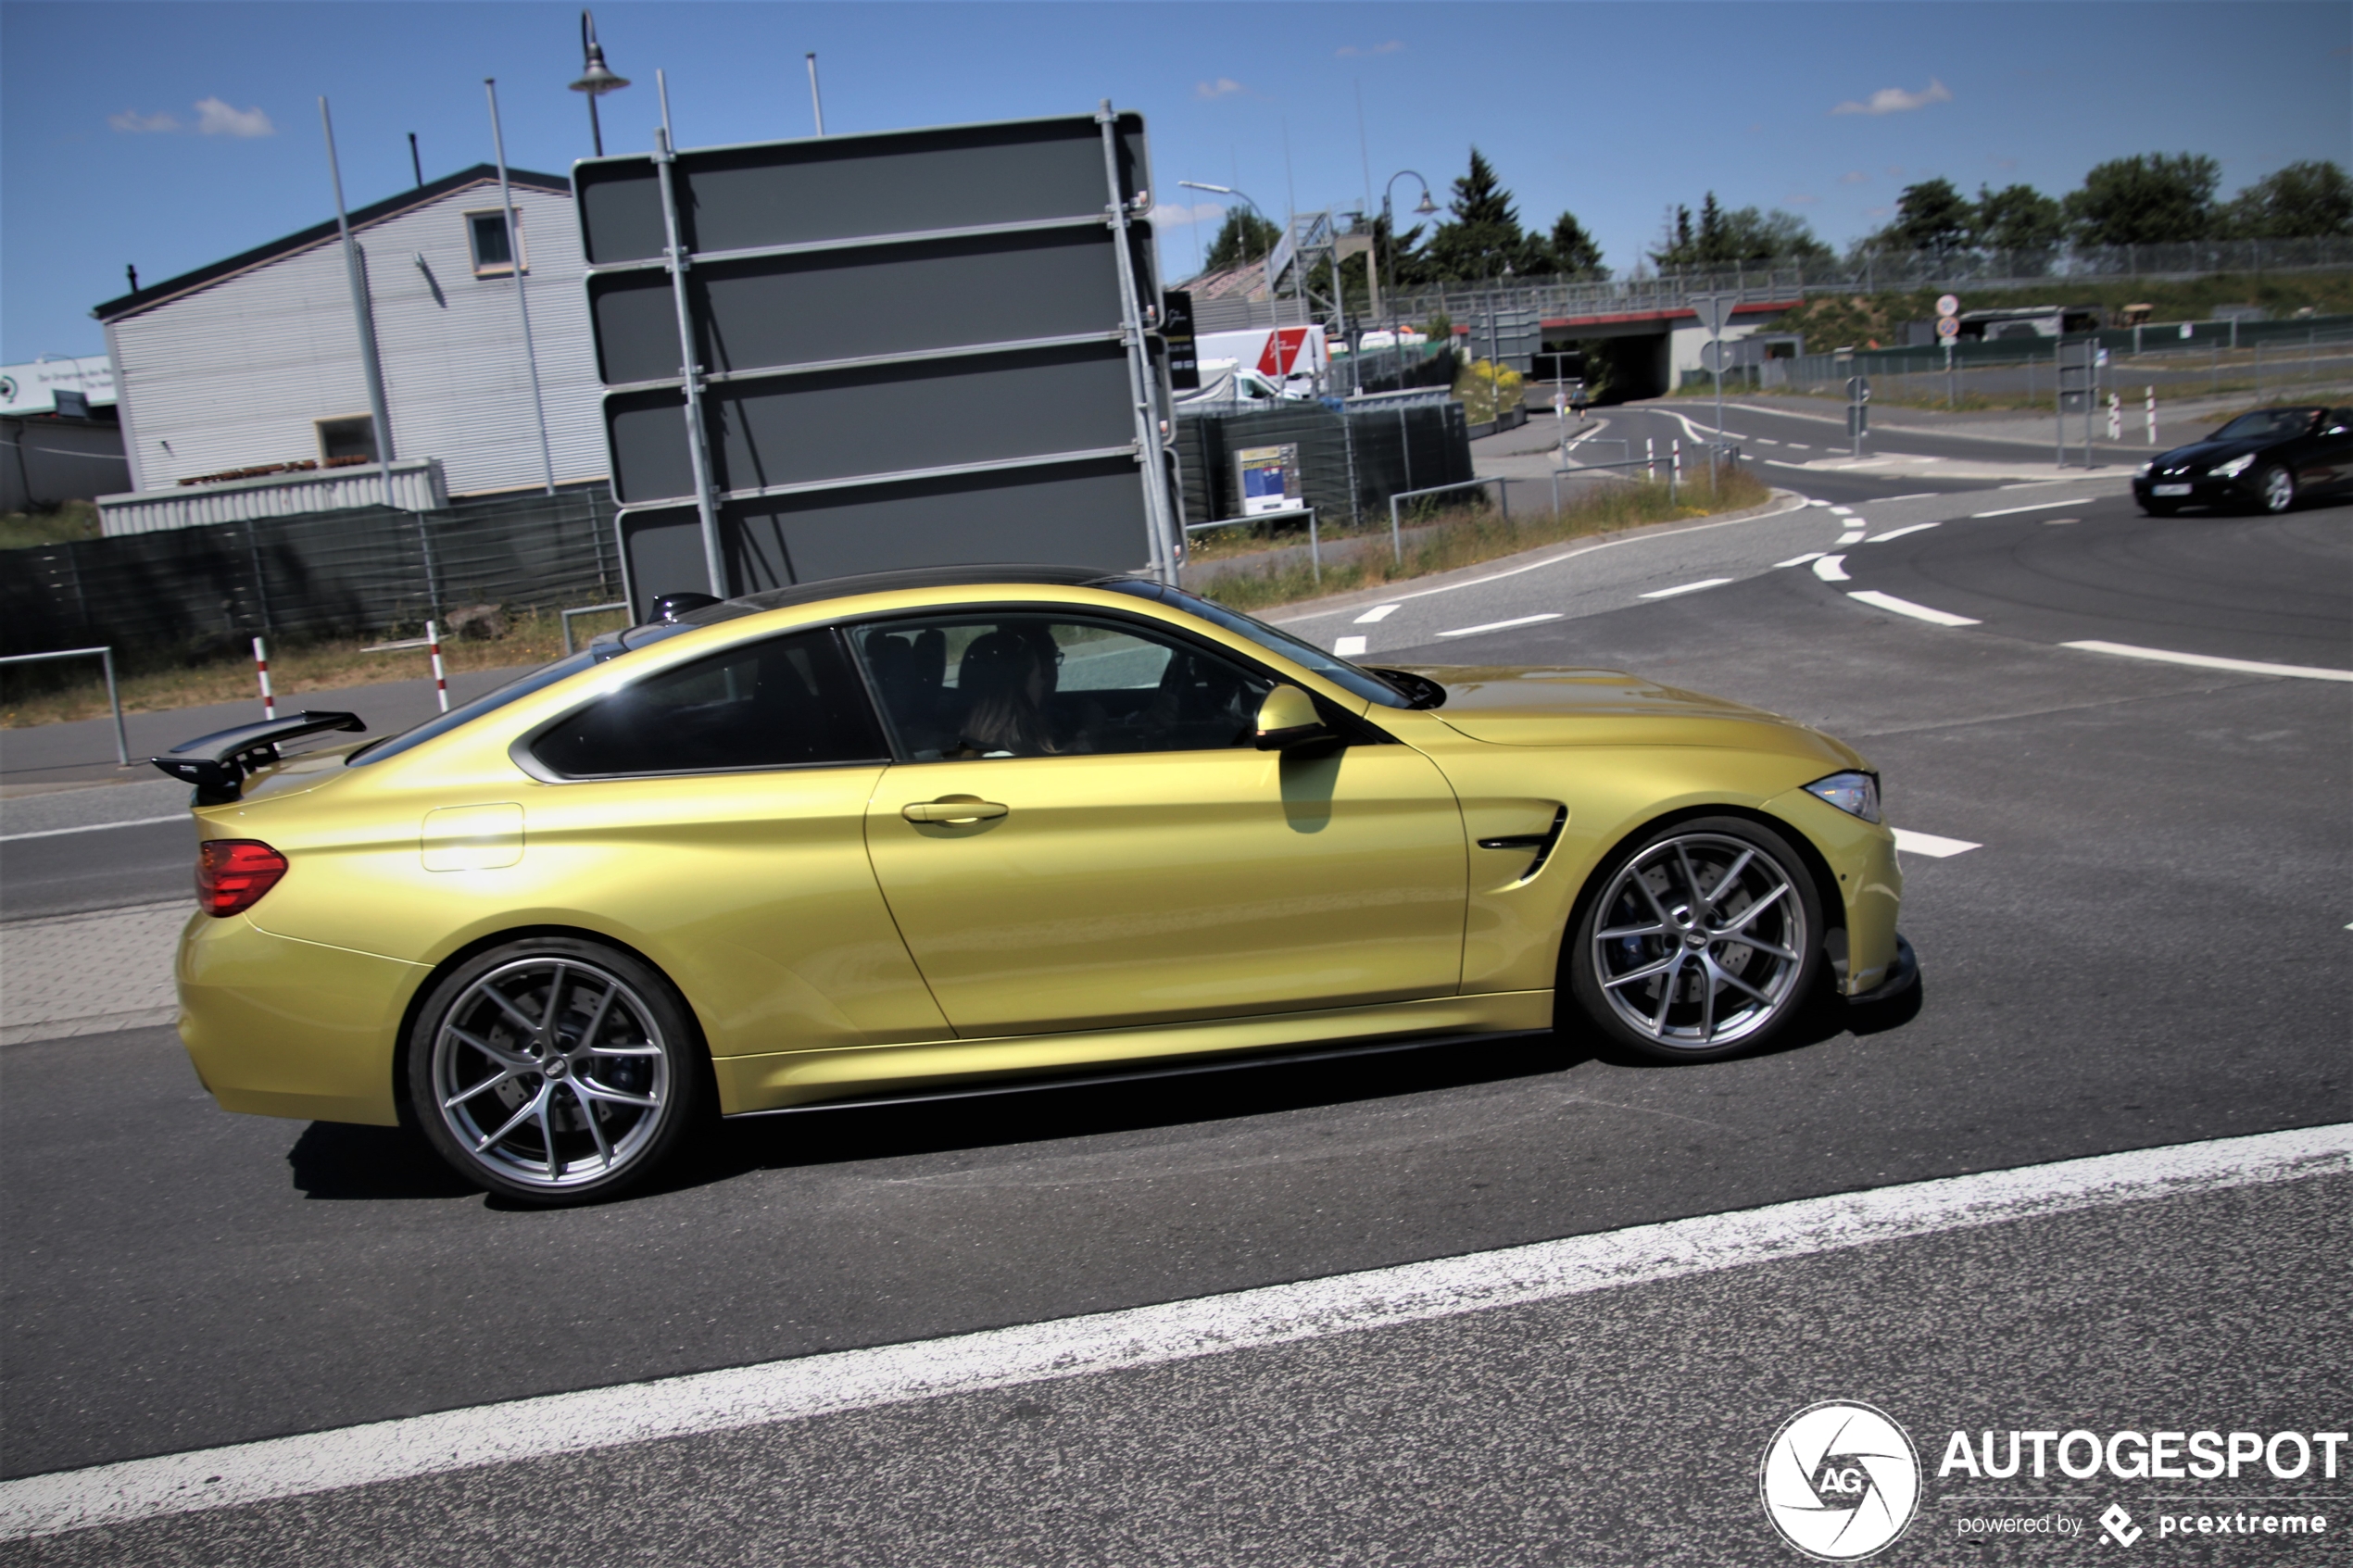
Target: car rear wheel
{"x":2276,"y":488}
{"x":1706,"y":938}
{"x":555,"y":1071}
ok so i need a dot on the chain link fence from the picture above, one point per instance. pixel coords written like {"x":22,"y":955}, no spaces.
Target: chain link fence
{"x":190,"y":591}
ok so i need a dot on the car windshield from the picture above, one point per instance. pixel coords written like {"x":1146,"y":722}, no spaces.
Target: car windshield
{"x":610,"y":645}
{"x":1339,"y":671}
{"x":2268,"y":424}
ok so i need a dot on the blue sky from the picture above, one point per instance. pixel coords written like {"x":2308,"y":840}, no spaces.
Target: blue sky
{"x":172,"y":135}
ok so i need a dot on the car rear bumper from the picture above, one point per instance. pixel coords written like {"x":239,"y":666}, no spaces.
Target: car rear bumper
{"x":281,"y":1027}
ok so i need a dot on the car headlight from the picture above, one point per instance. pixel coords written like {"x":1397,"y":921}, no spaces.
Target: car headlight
{"x":2233,"y":468}
{"x":1854,"y":794}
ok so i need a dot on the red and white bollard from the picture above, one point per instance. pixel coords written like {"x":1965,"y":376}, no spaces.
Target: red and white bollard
{"x":261,"y":670}
{"x":2152,"y":410}
{"x":440,"y":681}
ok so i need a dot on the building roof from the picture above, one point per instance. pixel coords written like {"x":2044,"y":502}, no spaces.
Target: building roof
{"x":481,"y":173}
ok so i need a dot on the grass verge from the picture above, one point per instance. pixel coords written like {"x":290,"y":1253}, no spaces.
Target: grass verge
{"x":1466,"y":537}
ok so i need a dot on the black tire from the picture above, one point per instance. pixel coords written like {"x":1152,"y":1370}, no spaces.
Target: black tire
{"x":1653,"y":979}
{"x":2160,"y":509}
{"x":2275,"y":489}
{"x":626,"y":1079}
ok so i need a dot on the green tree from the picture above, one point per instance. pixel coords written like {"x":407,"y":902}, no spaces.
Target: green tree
{"x":2147,"y":199}
{"x":1574,"y":254}
{"x":1930,"y":215}
{"x":2303,"y":201}
{"x":1736,"y":237}
{"x":1244,"y":236}
{"x":1677,"y":246}
{"x":1485,"y":238}
{"x":2018,"y":218}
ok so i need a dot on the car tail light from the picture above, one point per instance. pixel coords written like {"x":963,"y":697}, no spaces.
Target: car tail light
{"x":233,"y":873}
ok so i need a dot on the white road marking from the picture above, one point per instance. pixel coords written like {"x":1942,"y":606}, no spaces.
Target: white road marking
{"x":2206,"y":661}
{"x":1832,"y":568}
{"x":93,"y":827}
{"x":1500,"y":625}
{"x":1760,"y":440}
{"x":1777,"y":463}
{"x":1897,"y":532}
{"x":1917,"y":495}
{"x":1852,"y":536}
{"x":1378,"y":612}
{"x":1841,"y":511}
{"x":2059,"y":521}
{"x":1929,"y":845}
{"x":1685,"y":588}
{"x":1801,"y":447}
{"x":2037,"y":506}
{"x":2034,"y":483}
{"x":1905,"y":606}
{"x":1348,"y":647}
{"x":799,"y":1389}
{"x":1798,"y":561}
{"x":1809,"y":501}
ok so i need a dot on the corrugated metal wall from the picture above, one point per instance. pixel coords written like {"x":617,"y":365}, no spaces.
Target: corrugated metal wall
{"x":232,"y":374}
{"x":1349,"y":464}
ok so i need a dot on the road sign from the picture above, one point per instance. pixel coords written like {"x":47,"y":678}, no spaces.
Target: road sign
{"x":1948,"y":305}
{"x":1859,"y":418}
{"x":1859,"y":389}
{"x":1715,"y":354}
{"x":1948,"y":327}
{"x":1714,"y":310}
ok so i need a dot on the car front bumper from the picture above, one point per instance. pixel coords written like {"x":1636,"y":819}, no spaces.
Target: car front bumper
{"x":2203,"y":491}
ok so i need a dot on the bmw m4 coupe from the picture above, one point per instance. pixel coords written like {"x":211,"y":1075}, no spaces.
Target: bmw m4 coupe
{"x":933,"y":832}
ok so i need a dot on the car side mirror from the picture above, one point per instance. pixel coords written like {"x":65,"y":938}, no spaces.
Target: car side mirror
{"x":1288,"y":717}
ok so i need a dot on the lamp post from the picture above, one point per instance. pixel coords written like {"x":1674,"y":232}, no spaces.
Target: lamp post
{"x":1389,"y":224}
{"x":595,"y":80}
{"x":1230,"y":191}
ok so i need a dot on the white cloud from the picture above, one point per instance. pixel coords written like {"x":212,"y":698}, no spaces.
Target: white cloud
{"x":1353,"y":51}
{"x":218,"y":118}
{"x":1799,"y":198}
{"x":1225,"y":87}
{"x":214,"y":117}
{"x":1894,"y":100}
{"x":1177,"y":215}
{"x":1854,"y":177}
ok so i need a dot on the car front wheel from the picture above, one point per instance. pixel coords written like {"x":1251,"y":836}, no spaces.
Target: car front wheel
{"x":554,"y":1070}
{"x":1706,"y":938}
{"x":2276,"y":488}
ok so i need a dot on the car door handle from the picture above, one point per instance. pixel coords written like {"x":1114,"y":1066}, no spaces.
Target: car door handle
{"x":952,"y":811}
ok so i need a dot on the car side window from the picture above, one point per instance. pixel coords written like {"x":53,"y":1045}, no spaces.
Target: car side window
{"x":782,"y":702}
{"x":975,"y":686}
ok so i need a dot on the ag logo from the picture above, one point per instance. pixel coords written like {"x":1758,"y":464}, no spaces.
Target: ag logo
{"x":1840,"y":1480}
{"x":8,"y":389}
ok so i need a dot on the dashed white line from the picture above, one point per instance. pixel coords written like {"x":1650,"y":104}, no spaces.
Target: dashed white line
{"x":1809,"y":501}
{"x":1852,"y":536}
{"x":771,"y":1393}
{"x":1917,"y":495}
{"x":1798,"y":561}
{"x":1831,"y":569}
{"x":1500,"y":625}
{"x":1905,"y":606}
{"x":93,"y":827}
{"x":1929,"y":845}
{"x":1897,"y":532}
{"x":1800,"y":445}
{"x":2206,"y":661}
{"x":2037,"y":506}
{"x":1841,"y":511}
{"x":1378,"y":612}
{"x":1685,"y":588}
{"x":1348,"y":647}
{"x":2059,"y":521}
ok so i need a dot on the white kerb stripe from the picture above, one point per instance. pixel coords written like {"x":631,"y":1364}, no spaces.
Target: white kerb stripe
{"x":1348,"y":647}
{"x":95,"y":827}
{"x":848,"y":1380}
{"x":1928,"y":844}
{"x":2208,"y":661}
{"x":1500,"y":625}
{"x":1831,"y":569}
{"x":1905,"y":606}
{"x":1685,"y":588}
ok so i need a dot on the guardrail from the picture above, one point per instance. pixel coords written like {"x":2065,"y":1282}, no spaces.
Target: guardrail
{"x":585,"y":609}
{"x":1315,"y":540}
{"x":1396,"y":530}
{"x":1717,"y":451}
{"x":114,"y":698}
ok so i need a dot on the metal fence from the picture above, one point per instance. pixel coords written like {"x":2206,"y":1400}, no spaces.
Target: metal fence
{"x":370,"y":570}
{"x":1351,"y":459}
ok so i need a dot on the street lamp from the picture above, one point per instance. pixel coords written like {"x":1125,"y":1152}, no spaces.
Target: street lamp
{"x":1389,"y":224}
{"x":595,"y":80}
{"x":1230,"y":191}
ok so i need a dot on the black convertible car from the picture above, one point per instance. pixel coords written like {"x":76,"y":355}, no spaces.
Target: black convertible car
{"x":2267,"y":459}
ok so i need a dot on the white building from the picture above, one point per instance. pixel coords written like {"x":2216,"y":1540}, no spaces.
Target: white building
{"x":253,"y":363}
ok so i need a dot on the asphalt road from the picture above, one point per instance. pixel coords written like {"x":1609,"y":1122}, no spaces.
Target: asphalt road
{"x":2145,"y":947}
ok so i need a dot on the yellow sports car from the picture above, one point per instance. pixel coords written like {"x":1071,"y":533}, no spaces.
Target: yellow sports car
{"x":929,"y":833}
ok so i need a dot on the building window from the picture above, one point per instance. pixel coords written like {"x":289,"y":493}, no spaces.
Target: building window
{"x":349,"y":439}
{"x":487,"y":235}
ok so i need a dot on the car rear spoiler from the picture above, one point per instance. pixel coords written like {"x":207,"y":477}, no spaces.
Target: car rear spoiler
{"x":217,"y":764}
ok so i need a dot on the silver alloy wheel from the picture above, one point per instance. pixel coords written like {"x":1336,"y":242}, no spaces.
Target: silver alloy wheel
{"x":1700,"y":941}
{"x":2279,"y":489}
{"x":550,"y":1073}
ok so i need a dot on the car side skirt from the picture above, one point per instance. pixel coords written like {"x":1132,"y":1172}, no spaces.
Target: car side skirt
{"x":795,"y":1080}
